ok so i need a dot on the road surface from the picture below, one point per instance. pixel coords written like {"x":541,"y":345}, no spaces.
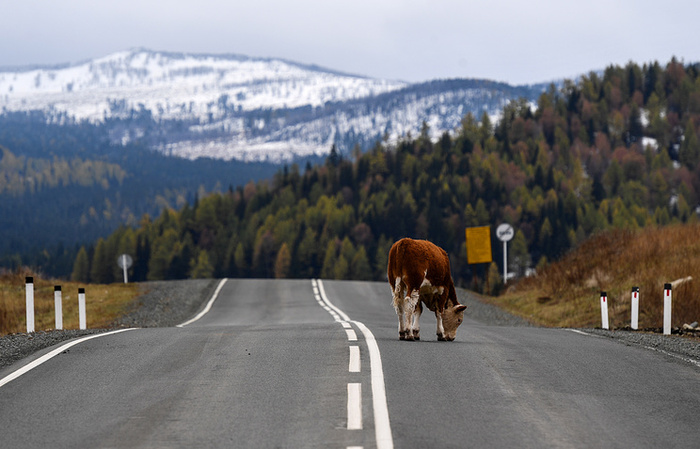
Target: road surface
{"x":268,"y":366}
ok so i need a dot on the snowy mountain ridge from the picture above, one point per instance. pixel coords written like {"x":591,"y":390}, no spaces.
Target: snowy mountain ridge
{"x":237,"y":107}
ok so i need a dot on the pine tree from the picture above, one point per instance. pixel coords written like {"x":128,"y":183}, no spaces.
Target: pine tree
{"x":81,"y":267}
{"x":240,"y":261}
{"x":359,"y":267}
{"x":283,"y":262}
{"x":689,"y":153}
{"x":329,"y":261}
{"x":101,"y":269}
{"x":202,"y":267}
{"x":520,"y":260}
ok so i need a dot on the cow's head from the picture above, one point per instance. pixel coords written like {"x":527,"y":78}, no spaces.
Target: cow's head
{"x":452,"y":317}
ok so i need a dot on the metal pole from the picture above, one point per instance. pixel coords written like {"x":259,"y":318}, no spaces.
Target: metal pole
{"x":126,"y":276}
{"x":505,"y":262}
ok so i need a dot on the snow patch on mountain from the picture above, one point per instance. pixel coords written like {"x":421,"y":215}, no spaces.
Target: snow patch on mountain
{"x":176,"y":86}
{"x":236,"y":107}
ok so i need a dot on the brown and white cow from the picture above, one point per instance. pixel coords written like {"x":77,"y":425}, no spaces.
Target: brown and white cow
{"x":419,"y":271}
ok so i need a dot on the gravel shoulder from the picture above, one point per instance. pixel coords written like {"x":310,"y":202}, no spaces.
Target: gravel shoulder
{"x":160,"y":304}
{"x":684,"y":348}
{"x":487,"y":313}
{"x":168,"y":303}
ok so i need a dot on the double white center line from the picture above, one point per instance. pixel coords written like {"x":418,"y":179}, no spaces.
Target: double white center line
{"x":354,"y":405}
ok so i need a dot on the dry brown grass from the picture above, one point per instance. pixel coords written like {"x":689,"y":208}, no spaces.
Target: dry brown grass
{"x":567,"y":293}
{"x":104,"y":303}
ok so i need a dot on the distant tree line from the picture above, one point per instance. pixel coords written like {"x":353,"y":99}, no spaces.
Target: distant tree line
{"x":617,"y":150}
{"x":64,"y":183}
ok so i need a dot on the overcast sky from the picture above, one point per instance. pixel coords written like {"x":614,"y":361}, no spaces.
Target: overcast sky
{"x":413,"y":40}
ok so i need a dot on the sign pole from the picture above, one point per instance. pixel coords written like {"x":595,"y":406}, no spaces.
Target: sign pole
{"x":505,"y":261}
{"x":505,"y":233}
{"x":125,"y":261}
{"x":126,"y":276}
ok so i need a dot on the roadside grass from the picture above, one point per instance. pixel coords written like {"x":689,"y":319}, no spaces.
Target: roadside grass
{"x":567,"y":293}
{"x":104,"y":303}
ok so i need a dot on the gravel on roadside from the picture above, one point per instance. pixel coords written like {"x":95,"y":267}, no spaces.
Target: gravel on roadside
{"x":160,"y":304}
{"x":487,"y":313}
{"x":686,"y":348}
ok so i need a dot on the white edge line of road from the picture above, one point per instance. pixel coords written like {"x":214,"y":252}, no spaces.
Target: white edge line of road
{"x":208,"y":307}
{"x":670,"y":354}
{"x":382,"y":425}
{"x":54,"y":353}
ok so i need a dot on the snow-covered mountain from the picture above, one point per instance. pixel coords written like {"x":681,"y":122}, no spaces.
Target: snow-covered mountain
{"x":236,"y":107}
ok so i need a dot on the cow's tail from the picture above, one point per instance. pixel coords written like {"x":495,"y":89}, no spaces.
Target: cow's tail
{"x":395,"y":255}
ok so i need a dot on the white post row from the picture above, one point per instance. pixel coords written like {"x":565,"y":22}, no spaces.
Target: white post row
{"x":667,"y":309}
{"x":29,"y":296}
{"x":58,"y":300}
{"x":58,"y":306}
{"x":635,"y":308}
{"x":604,"y":310}
{"x":81,"y":308}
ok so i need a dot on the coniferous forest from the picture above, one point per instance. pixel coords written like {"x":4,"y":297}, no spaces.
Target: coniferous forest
{"x":618,"y":149}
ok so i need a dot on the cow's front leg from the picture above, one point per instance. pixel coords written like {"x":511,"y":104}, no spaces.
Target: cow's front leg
{"x":440,"y":328}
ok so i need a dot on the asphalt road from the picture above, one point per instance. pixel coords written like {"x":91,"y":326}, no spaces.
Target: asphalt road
{"x":269,"y":367}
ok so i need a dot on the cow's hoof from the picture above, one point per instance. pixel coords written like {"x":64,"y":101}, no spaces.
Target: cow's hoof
{"x":441,"y":338}
{"x":410,"y":337}
{"x":402,"y":336}
{"x":416,"y":337}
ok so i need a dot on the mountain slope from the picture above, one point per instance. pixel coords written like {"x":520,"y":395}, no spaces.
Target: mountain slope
{"x":178,"y":86}
{"x":236,"y":107}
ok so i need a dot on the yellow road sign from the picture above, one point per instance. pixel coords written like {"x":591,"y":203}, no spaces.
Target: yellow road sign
{"x":479,"y":245}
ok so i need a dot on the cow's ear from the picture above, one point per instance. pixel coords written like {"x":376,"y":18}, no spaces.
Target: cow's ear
{"x":460,"y":308}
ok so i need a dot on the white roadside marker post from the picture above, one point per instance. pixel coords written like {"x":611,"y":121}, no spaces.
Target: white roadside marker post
{"x":81,"y":308}
{"x":667,"y":309}
{"x":635,"y":308}
{"x":58,"y":302}
{"x":29,"y":295}
{"x":604,"y":310}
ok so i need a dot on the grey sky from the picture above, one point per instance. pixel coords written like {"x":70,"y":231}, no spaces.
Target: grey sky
{"x":413,"y":40}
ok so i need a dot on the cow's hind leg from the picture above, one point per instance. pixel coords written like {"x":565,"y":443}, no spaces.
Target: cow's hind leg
{"x":399,"y":307}
{"x":416,"y":324}
{"x":410,"y":305}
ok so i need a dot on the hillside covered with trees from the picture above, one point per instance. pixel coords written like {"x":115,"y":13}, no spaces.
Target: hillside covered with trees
{"x":615,"y":150}
{"x":67,"y":183}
